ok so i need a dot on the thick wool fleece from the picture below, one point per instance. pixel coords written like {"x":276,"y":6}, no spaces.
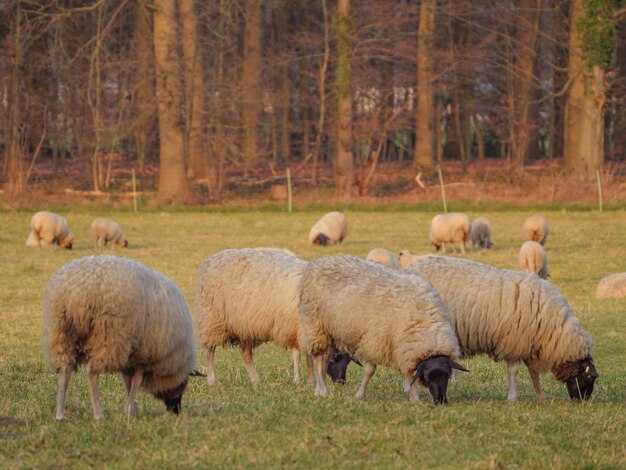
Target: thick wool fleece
{"x":51,"y":229}
{"x":450,"y":228}
{"x":104,"y":231}
{"x":533,"y":258}
{"x":334,"y":225}
{"x":383,"y":256}
{"x":116,"y":314}
{"x":536,"y":228}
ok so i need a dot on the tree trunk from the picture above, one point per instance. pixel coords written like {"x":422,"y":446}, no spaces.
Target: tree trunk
{"x":425,"y":112}
{"x":173,"y":185}
{"x":344,"y":159}
{"x":584,"y":118}
{"x":317,"y":149}
{"x":251,"y":82}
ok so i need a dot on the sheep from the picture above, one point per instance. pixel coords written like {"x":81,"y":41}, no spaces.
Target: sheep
{"x":331,"y":229}
{"x":480,"y":232}
{"x":451,"y":228}
{"x":379,"y":314}
{"x":613,"y":285}
{"x":533,"y":259}
{"x":32,"y":240}
{"x":247,"y":297}
{"x":383,"y":256}
{"x":50,"y":229}
{"x":513,"y":316}
{"x":104,"y":231}
{"x":407,"y":257}
{"x":536,"y":228}
{"x":115,"y":314}
{"x":285,"y":251}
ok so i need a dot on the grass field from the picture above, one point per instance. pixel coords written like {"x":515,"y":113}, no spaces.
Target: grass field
{"x":279,"y":424}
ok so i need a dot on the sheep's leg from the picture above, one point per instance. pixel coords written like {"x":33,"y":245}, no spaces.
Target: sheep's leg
{"x":210,"y":367}
{"x":248,"y":360}
{"x":368,"y":372}
{"x":64,"y":378}
{"x":534,"y":377}
{"x":512,"y":370}
{"x":135,"y":383}
{"x":310,"y":378}
{"x":463,"y":246}
{"x":295,"y":354}
{"x":320,"y":364}
{"x":406,"y":385}
{"x":92,"y":379}
{"x":413,"y":397}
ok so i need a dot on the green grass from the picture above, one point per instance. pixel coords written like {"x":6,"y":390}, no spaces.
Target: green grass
{"x":279,"y":424}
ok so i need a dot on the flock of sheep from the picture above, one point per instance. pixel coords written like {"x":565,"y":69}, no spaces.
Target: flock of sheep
{"x":417,"y":314}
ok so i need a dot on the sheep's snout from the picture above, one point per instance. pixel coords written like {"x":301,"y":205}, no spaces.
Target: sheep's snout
{"x":434,"y":373}
{"x":321,"y":240}
{"x":580,"y":386}
{"x":68,"y":246}
{"x":172,"y":398}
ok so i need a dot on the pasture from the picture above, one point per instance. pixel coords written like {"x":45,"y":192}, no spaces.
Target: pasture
{"x":279,"y":424}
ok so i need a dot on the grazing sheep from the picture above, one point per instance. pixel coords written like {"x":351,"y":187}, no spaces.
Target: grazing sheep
{"x":613,"y":285}
{"x":117,"y":315}
{"x":533,"y":259}
{"x":513,"y":316}
{"x":449,"y":228}
{"x":331,"y":229}
{"x":383,"y":256}
{"x":50,"y":229}
{"x":480,"y":233}
{"x":407,"y":258}
{"x":247,"y":297}
{"x":536,"y":228}
{"x":104,"y":231}
{"x":381,"y":315}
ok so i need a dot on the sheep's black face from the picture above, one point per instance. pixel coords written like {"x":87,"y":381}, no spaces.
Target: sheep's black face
{"x":434,"y":373}
{"x":172,"y":397}
{"x":580,"y":386}
{"x":173,"y":404}
{"x":68,"y":246}
{"x":338,"y":366}
{"x":321,"y":240}
{"x":125,"y":243}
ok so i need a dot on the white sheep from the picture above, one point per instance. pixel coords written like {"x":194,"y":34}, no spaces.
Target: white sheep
{"x":513,"y":316}
{"x":613,"y":285}
{"x":32,"y":240}
{"x":285,"y":251}
{"x":449,"y":228}
{"x":117,"y":315}
{"x":536,"y":228}
{"x":407,"y":258}
{"x":381,"y":315}
{"x":50,"y":229}
{"x":104,"y":231}
{"x":533,"y":259}
{"x":480,"y":232}
{"x":331,"y":229}
{"x":247,"y":297}
{"x":384,"y":256}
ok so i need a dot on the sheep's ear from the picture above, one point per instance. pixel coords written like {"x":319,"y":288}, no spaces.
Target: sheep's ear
{"x":419,"y":372}
{"x":457,"y":366}
{"x":197,"y":373}
{"x":356,"y":361}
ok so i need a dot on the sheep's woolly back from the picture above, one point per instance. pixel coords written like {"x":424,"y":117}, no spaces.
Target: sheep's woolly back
{"x":51,"y":229}
{"x":333,"y":225}
{"x":536,"y":228}
{"x":117,"y":314}
{"x":533,"y":259}
{"x":384,"y":256}
{"x":249,"y":296}
{"x":105,"y":230}
{"x":285,"y":251}
{"x":407,"y":258}
{"x":508,"y":315}
{"x":378,"y":314}
{"x":480,"y":232}
{"x":613,"y":285}
{"x":452,"y":227}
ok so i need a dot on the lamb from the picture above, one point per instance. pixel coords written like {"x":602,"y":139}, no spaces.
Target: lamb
{"x":480,"y":232}
{"x":247,"y":297}
{"x":533,"y":259}
{"x":449,"y":228}
{"x":115,"y":314}
{"x":513,"y":316}
{"x":331,"y":229}
{"x":613,"y":285}
{"x":383,"y":256}
{"x":407,"y":258}
{"x":382,"y":315}
{"x":536,"y":228}
{"x":104,"y":231}
{"x":50,"y":229}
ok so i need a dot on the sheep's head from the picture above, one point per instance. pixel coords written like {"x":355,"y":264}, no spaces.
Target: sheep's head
{"x":580,"y":385}
{"x":172,"y":397}
{"x":321,"y":240}
{"x":67,"y":242}
{"x":124,"y":243}
{"x":434,"y":373}
{"x":338,"y":366}
{"x":437,"y":246}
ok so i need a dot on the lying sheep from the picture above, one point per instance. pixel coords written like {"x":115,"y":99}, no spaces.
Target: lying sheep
{"x":613,"y":285}
{"x":383,"y":256}
{"x":247,"y":297}
{"x":50,"y":229}
{"x":104,"y":231}
{"x":449,"y":228}
{"x":480,"y":233}
{"x":533,"y":259}
{"x":513,"y":316}
{"x":331,"y":229}
{"x":407,"y":258}
{"x":117,"y":315}
{"x":536,"y":228}
{"x":381,"y":315}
